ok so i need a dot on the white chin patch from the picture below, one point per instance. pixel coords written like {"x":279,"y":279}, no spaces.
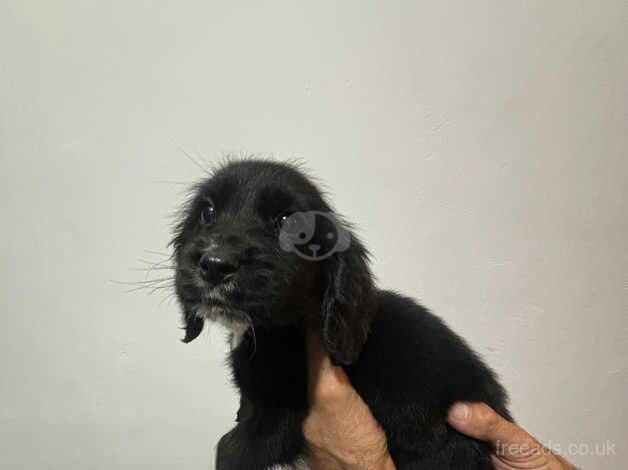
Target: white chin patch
{"x":237,"y":331}
{"x":236,"y":327}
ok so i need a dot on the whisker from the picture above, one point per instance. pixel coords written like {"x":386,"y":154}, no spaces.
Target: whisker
{"x":169,"y":298}
{"x":159,"y":253}
{"x":160,"y":266}
{"x":191,"y":158}
{"x":146,"y":282}
{"x":151,"y":289}
{"x":154,"y":268}
{"x":158,"y":288}
{"x":156,"y":263}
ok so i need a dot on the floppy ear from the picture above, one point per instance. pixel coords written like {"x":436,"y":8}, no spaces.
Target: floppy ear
{"x":193,"y":326}
{"x":348,"y":303}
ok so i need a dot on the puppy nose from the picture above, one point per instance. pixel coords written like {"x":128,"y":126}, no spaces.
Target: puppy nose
{"x":217,"y":269}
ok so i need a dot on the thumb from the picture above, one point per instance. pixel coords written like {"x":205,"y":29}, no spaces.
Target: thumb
{"x":480,"y":421}
{"x":327,"y":384}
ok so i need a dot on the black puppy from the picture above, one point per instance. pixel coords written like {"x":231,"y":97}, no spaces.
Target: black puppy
{"x":259,"y":250}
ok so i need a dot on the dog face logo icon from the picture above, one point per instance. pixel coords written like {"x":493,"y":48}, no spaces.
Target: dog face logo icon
{"x":313,"y":235}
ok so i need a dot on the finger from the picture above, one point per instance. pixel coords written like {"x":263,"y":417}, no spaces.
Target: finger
{"x":480,"y":421}
{"x":326,"y":382}
{"x":318,"y":360}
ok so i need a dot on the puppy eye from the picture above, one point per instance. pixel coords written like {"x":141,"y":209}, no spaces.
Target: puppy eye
{"x":281,"y":220}
{"x":291,"y":224}
{"x":207,"y":214}
{"x":287,"y":222}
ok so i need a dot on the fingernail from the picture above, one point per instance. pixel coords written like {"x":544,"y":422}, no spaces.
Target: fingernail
{"x":460,"y":412}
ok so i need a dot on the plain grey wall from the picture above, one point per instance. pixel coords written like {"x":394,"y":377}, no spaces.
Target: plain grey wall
{"x":480,"y":146}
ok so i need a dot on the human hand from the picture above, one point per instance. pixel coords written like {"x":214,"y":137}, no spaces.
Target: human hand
{"x":340,"y":430}
{"x":513,"y":447}
{"x":342,"y":434}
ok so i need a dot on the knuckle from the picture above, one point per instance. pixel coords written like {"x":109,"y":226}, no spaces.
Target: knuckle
{"x":329,"y":390}
{"x":487,"y":418}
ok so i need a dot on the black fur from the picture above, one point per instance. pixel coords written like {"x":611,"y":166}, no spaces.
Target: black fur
{"x":405,"y":363}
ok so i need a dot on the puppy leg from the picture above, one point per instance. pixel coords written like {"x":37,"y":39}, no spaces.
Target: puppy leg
{"x":260,"y":443}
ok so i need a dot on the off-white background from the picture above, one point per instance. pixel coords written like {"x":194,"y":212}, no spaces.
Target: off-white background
{"x":480,"y":146}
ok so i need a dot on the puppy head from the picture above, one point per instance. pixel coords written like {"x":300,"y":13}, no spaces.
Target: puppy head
{"x":258,"y":245}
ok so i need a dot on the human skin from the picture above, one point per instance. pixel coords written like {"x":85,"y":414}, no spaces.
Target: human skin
{"x":340,"y":430}
{"x":342,"y":434}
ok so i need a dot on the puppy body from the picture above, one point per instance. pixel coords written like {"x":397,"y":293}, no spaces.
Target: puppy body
{"x":404,"y":362}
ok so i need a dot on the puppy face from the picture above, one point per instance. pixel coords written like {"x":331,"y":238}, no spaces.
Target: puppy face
{"x":258,"y":245}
